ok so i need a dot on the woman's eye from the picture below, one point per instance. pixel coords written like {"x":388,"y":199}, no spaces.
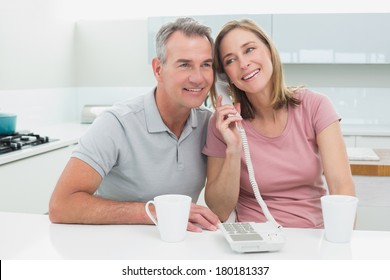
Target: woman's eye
{"x":248,"y":50}
{"x":229,"y":61}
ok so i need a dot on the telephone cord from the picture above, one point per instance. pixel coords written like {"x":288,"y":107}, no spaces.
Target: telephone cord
{"x":252,"y":179}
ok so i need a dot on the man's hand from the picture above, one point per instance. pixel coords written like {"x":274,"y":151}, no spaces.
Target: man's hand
{"x":202,"y":218}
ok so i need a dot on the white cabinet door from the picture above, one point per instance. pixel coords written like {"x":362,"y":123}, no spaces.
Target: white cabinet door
{"x":333,"y":38}
{"x":349,"y":141}
{"x":215,"y":22}
{"x":26,"y":185}
{"x":374,"y":202}
{"x":379,"y":142}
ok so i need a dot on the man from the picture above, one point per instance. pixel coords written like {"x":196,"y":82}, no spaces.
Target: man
{"x":146,"y":146}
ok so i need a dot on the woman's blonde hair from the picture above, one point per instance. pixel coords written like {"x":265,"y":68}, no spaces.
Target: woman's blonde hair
{"x":281,"y":96}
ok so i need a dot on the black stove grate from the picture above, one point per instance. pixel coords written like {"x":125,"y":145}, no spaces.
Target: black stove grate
{"x":18,"y":141}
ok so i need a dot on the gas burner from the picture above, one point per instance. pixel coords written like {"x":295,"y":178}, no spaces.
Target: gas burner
{"x":18,"y":141}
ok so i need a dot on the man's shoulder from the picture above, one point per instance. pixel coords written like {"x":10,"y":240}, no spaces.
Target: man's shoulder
{"x":204,"y":111}
{"x":128,"y":106}
{"x":203,"y":114}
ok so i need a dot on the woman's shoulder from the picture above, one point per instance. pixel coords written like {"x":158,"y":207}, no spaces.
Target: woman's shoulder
{"x":307,"y":95}
{"x":307,"y":92}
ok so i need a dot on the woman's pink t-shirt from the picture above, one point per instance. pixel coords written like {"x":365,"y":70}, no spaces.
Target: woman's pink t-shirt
{"x":287,"y":168}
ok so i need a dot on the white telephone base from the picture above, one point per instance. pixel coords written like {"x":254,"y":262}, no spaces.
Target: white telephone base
{"x":248,"y":237}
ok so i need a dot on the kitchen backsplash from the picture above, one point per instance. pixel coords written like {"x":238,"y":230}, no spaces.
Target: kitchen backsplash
{"x":360,"y":106}
{"x":40,"y":107}
{"x":37,"y":107}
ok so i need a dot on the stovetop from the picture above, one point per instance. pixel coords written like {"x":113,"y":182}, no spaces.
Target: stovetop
{"x":21,"y":140}
{"x":61,"y":135}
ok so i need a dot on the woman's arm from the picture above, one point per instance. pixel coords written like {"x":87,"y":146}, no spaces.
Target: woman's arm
{"x":223,"y":185}
{"x":223,"y":174}
{"x":335,"y":160}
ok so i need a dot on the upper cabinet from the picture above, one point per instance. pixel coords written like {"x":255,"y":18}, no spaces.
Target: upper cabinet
{"x":332,"y":38}
{"x":215,"y":22}
{"x":310,"y":38}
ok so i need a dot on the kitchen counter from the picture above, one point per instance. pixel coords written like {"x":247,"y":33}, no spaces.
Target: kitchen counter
{"x":67,"y":134}
{"x":373,"y":167}
{"x":31,"y":236}
{"x":64,"y":134}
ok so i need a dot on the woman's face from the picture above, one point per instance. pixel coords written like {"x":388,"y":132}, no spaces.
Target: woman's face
{"x":247,"y":61}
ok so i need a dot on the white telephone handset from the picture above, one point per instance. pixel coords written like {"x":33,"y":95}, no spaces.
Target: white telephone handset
{"x":222,"y":88}
{"x":259,"y":236}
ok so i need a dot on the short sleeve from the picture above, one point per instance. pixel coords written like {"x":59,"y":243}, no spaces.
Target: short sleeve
{"x":98,"y":146}
{"x":215,"y":146}
{"x":322,"y":112}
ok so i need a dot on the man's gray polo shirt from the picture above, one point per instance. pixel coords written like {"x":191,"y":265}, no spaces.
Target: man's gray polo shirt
{"x":139,"y":158}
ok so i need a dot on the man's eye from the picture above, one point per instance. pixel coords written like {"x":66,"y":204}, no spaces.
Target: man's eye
{"x":184,"y":65}
{"x":207,"y":65}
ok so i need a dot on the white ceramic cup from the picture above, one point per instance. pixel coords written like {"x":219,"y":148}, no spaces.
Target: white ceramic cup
{"x":172,"y":212}
{"x":339,"y":212}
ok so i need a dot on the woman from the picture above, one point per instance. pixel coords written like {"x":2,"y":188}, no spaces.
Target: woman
{"x":293,"y":134}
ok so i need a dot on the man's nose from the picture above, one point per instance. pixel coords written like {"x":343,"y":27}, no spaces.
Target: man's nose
{"x":196,"y":76}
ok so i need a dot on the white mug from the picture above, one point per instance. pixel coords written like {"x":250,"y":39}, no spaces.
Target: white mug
{"x":339,"y":213}
{"x":172,"y":212}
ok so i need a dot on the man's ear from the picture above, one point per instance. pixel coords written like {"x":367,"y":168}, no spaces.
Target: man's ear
{"x":156,"y":65}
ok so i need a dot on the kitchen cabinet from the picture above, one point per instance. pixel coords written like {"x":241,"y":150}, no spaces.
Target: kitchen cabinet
{"x":215,"y":22}
{"x":26,"y":185}
{"x":380,"y":167}
{"x":332,"y":38}
{"x":374,"y":202}
{"x":28,"y":176}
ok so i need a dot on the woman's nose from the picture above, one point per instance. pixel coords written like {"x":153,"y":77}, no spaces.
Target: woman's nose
{"x":244,"y":64}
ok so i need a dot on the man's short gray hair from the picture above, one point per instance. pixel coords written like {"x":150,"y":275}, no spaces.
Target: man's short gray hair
{"x":189,"y":26}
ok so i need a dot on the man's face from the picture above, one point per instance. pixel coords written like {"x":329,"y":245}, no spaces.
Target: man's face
{"x":187,"y":75}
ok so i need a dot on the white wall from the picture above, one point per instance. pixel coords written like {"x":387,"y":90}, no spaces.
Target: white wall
{"x":41,"y":106}
{"x":126,"y":9}
{"x":38,"y":40}
{"x":112,"y":53}
{"x":36,"y":50}
{"x":55,"y":51}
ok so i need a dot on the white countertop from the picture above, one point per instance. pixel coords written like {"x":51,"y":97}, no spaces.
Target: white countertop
{"x":31,"y":236}
{"x":65,"y":134}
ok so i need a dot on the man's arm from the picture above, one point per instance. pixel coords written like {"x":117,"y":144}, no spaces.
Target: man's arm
{"x":73,"y":202}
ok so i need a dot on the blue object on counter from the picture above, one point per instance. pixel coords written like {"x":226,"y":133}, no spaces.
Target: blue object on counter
{"x":7,"y":124}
